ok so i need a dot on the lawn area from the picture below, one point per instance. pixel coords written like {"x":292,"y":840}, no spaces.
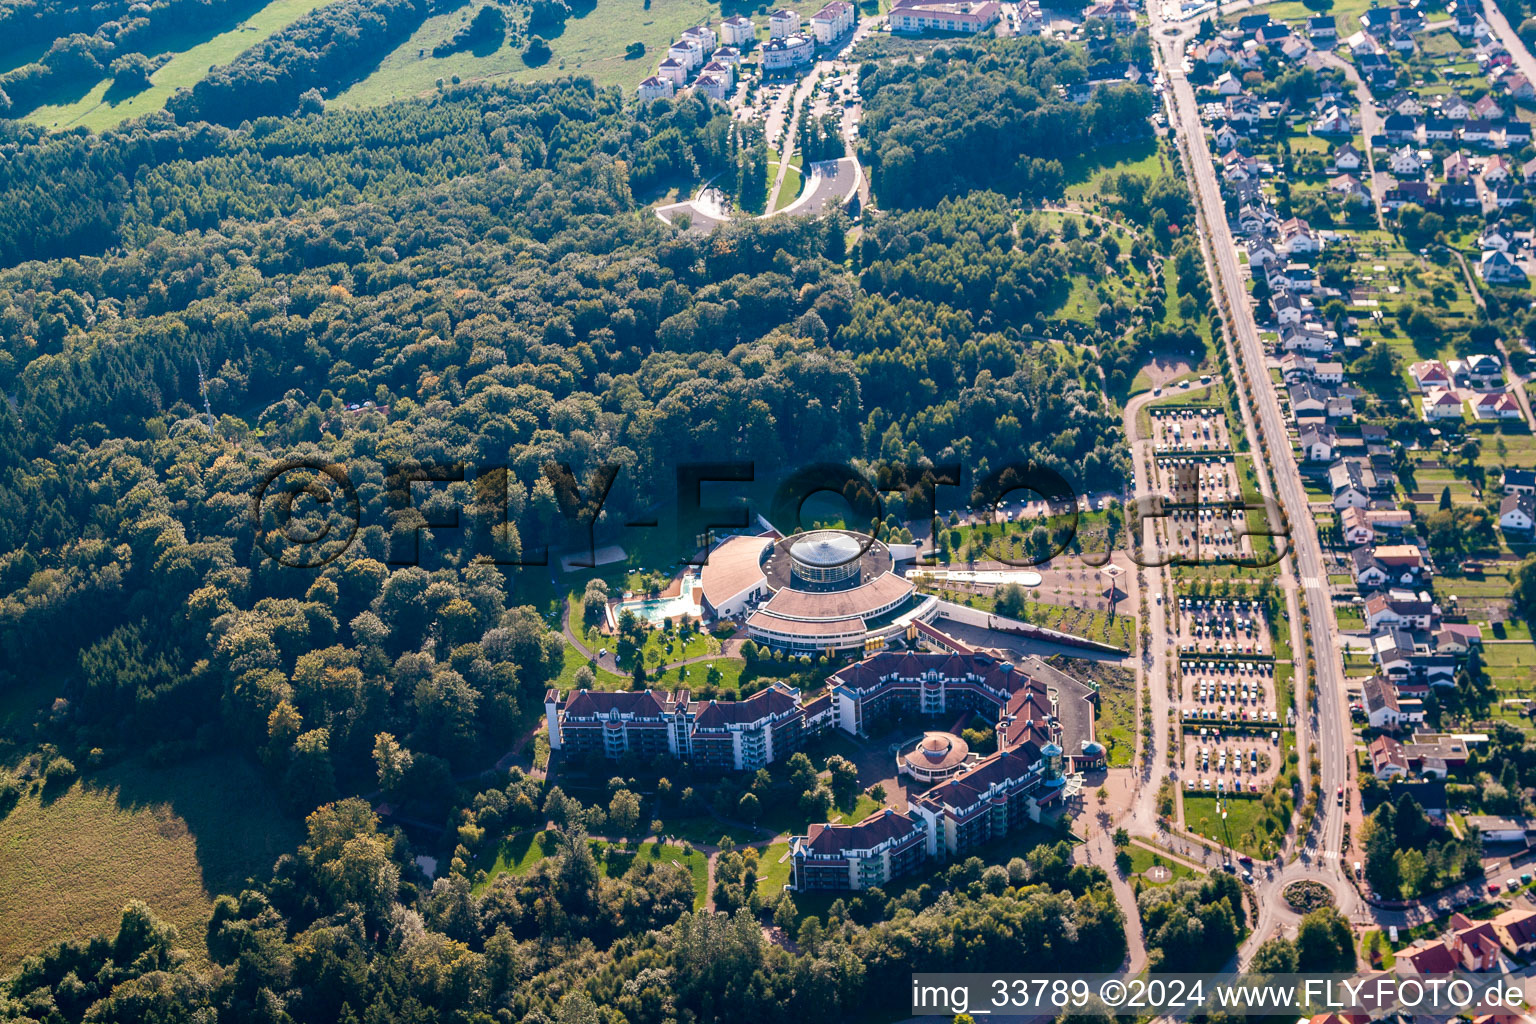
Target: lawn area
{"x":1347,"y":12}
{"x":519,"y":854}
{"x":705,"y":829}
{"x":862,"y":809}
{"x":1143,"y":858}
{"x":516,"y":855}
{"x":566,"y":680}
{"x":591,"y":44}
{"x":790,"y":191}
{"x":1202,"y":815}
{"x":615,"y":860}
{"x":771,"y":874}
{"x":1085,"y":175}
{"x":172,"y":837}
{"x":194,"y":54}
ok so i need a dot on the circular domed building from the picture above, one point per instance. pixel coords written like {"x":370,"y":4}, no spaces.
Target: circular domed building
{"x":826,"y":590}
{"x":825,"y":560}
{"x":934,"y":758}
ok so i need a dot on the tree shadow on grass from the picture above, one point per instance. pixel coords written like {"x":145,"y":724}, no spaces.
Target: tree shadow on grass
{"x":231,"y":813}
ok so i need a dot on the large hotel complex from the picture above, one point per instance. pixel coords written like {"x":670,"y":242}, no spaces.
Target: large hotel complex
{"x":830,"y":590}
{"x":1036,"y":710}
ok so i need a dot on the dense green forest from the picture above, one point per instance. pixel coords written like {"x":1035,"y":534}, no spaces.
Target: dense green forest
{"x":987,"y":114}
{"x":478,"y":279}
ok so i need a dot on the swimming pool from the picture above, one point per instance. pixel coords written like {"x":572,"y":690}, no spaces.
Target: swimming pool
{"x":653,"y":610}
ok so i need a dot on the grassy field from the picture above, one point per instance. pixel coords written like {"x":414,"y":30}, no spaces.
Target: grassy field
{"x":1202,"y":815}
{"x":772,"y":875}
{"x":592,"y":45}
{"x":606,"y":680}
{"x":1085,"y":175}
{"x":174,"y":838}
{"x":194,"y":54}
{"x":1143,"y":858}
{"x":519,"y":854}
{"x":615,"y":860}
{"x":790,"y":190}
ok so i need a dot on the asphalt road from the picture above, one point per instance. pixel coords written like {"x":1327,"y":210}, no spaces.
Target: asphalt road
{"x":1334,"y":739}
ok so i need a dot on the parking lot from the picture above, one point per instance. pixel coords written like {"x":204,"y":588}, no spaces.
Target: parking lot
{"x":1217,"y":762}
{"x":1190,"y":430}
{"x":1199,"y":479}
{"x":1213,"y":625}
{"x":1230,"y":692}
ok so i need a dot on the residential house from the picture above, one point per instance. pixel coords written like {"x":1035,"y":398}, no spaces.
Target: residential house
{"x":1456,"y":167}
{"x":1476,"y":131}
{"x":672,"y":70}
{"x":1295,"y":276}
{"x":1499,"y":267}
{"x":1286,"y":307}
{"x":1404,"y":102}
{"x":1309,"y":338}
{"x":1379,"y":698}
{"x":1261,"y":253}
{"x":1498,"y":236}
{"x":1440,"y":404}
{"x":1357,"y":529}
{"x":1400,"y":195}
{"x":1518,"y":86}
{"x":1237,"y":167}
{"x":1318,"y":442}
{"x":1388,"y":758}
{"x":712,"y":85}
{"x":1517,"y":480}
{"x":1272,"y":33}
{"x":1347,"y":158}
{"x":1308,"y":399}
{"x":1496,"y":405}
{"x":1405,"y":161}
{"x":1488,"y":109}
{"x":1403,"y":609}
{"x":1227,"y":84}
{"x":1461,"y":195}
{"x":737,"y":30}
{"x":1455,"y":108}
{"x":1298,"y":239}
{"x":655,"y":88}
{"x":1294,"y":367}
{"x":1348,"y":187}
{"x":1439,"y":129}
{"x":1243,"y":109}
{"x":1322,"y":29}
{"x":783,"y":23}
{"x":1388,"y":565}
{"x":1328,"y":372}
{"x":1333,"y":121}
{"x":1399,"y":127}
{"x":832,"y":22}
{"x":1517,"y":512}
{"x":1351,"y":481}
{"x":1516,"y":929}
{"x":1429,"y":374}
{"x":1483,"y":370}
